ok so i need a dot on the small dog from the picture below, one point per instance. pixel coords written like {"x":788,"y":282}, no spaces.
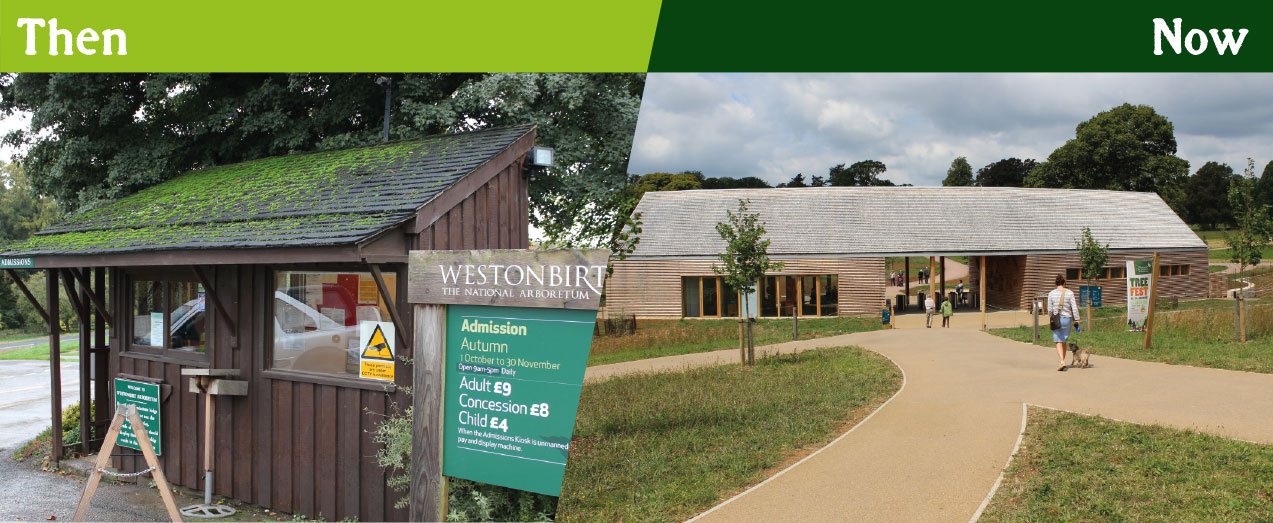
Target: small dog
{"x":1080,"y":355}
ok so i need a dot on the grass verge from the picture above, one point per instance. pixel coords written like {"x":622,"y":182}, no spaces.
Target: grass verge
{"x":664,"y":447}
{"x":1201,"y":335}
{"x":68,"y":349}
{"x":657,"y":338}
{"x":1082,"y":468}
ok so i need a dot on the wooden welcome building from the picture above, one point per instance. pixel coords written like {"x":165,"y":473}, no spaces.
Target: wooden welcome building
{"x":835,"y":240}
{"x":267,"y":267}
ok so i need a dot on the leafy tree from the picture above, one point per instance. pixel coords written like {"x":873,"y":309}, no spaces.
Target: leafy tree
{"x":1127,"y":148}
{"x":796,"y":181}
{"x":865,"y":173}
{"x":669,"y":182}
{"x":1093,"y":256}
{"x":725,"y":182}
{"x":21,"y":214}
{"x":818,"y":181}
{"x":959,"y":174}
{"x":745,"y":260}
{"x":1208,"y":202}
{"x":96,"y":137}
{"x":1008,"y":172}
{"x":1250,"y":237}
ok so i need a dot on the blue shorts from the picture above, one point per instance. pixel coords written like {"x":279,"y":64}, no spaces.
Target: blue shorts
{"x":1062,"y":334}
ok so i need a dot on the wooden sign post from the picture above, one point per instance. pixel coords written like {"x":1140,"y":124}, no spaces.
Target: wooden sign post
{"x":500,"y":349}
{"x":129,"y":412}
{"x":1153,"y":302}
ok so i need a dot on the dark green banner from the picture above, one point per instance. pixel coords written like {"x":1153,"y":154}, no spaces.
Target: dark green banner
{"x":513,"y":378}
{"x":1082,"y":36}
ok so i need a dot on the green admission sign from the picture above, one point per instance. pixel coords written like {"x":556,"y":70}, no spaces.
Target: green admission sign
{"x":145,"y":396}
{"x":17,"y":263}
{"x":513,"y":378}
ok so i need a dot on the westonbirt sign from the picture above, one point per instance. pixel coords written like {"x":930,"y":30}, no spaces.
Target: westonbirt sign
{"x":518,"y":329}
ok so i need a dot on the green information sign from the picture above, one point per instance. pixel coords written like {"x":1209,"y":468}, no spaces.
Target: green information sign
{"x":513,"y":378}
{"x":145,"y":396}
{"x":17,"y":263}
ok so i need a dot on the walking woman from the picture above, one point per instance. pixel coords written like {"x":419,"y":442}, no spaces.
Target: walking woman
{"x":1062,"y":300}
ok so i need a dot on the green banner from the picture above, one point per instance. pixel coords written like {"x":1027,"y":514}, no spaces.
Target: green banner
{"x":389,"y":36}
{"x":145,"y":396}
{"x":513,"y":378}
{"x":1078,"y":36}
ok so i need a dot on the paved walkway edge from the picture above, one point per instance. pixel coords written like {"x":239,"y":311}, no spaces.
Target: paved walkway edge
{"x":828,"y":445}
{"x":1025,"y":408}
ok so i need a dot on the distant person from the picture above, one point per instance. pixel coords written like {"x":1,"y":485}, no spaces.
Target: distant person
{"x":959,"y":293}
{"x":929,"y":305}
{"x":920,"y":277}
{"x":947,"y":310}
{"x":1062,"y":300}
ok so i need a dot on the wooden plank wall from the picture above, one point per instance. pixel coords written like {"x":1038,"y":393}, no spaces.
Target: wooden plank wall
{"x":652,"y":288}
{"x":1041,"y":270}
{"x":299,"y":446}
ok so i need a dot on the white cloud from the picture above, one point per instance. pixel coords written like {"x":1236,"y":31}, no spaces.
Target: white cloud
{"x":775,"y":125}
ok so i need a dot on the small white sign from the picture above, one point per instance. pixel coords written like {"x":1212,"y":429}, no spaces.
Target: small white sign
{"x":157,"y":329}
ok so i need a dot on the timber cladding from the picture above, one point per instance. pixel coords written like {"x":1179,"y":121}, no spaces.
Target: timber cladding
{"x":652,"y":288}
{"x":1031,"y":275}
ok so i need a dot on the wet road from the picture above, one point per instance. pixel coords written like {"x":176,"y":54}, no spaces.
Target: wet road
{"x":24,"y":398}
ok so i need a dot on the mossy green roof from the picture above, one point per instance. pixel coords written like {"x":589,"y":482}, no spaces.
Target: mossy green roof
{"x":322,"y":198}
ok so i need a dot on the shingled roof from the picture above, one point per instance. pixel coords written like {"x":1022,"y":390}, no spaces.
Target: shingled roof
{"x":312,"y":199}
{"x":887,"y":221}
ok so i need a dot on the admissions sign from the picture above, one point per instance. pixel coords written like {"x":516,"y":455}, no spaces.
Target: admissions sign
{"x":517,"y":332}
{"x":144,"y":396}
{"x":1138,"y":274}
{"x":513,"y":378}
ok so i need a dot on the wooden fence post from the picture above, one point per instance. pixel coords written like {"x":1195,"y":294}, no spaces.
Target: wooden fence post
{"x":1153,"y":302}
{"x":428,"y":487}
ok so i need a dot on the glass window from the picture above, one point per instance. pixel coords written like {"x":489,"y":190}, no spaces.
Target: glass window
{"x":787,"y":288}
{"x":828,"y":297}
{"x":148,"y":313}
{"x":729,"y":299}
{"x":1184,"y":269}
{"x":317,"y":317}
{"x":690,"y":288}
{"x":711,"y":300}
{"x":189,"y":332}
{"x":769,"y":297}
{"x":1071,"y":274}
{"x":808,"y":296}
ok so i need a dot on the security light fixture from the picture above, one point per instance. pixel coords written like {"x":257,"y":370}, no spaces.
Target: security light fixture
{"x":536,"y":158}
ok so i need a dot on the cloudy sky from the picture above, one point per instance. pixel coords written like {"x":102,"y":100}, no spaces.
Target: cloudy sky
{"x":775,"y":125}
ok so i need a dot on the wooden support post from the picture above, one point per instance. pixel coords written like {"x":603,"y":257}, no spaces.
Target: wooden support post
{"x":91,"y":298}
{"x":86,"y":379}
{"x":906,"y":279}
{"x":101,"y":372}
{"x":742,"y":341}
{"x":68,"y":282}
{"x":981,"y":294}
{"x":222,"y":312}
{"x":27,"y":292}
{"x":428,"y":487}
{"x":943,"y":277}
{"x":103,"y":457}
{"x":399,"y":326}
{"x":1153,"y":302}
{"x":209,"y":407}
{"x":932,"y":288}
{"x":55,"y":364}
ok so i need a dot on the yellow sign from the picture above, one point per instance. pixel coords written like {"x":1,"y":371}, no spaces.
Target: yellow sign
{"x":376,"y":357}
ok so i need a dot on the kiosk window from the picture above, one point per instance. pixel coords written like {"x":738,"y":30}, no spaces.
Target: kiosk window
{"x":317,"y":316}
{"x":169,"y":315}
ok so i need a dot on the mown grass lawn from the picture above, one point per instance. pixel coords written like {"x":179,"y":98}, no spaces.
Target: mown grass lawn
{"x":664,"y":447}
{"x":657,"y":338}
{"x":1201,"y":335}
{"x":68,"y":349}
{"x":1081,"y":468}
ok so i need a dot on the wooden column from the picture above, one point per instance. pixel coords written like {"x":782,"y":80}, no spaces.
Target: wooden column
{"x":86,"y":378}
{"x":906,"y":279}
{"x":943,"y":276}
{"x":55,"y":363}
{"x":101,"y":372}
{"x":932,"y":266}
{"x":981,"y":296}
{"x":1153,"y":302}
{"x":428,"y":487}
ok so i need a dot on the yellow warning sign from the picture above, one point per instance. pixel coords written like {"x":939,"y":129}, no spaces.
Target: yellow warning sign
{"x":376,"y":357}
